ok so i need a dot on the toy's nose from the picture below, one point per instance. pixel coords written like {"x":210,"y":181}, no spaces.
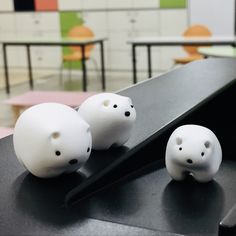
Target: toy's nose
{"x":189,"y":161}
{"x":73,"y":161}
{"x":127,"y":113}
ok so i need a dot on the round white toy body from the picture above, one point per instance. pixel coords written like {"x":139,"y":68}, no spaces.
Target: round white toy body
{"x":50,"y":139}
{"x":195,"y":150}
{"x":111,"y":118}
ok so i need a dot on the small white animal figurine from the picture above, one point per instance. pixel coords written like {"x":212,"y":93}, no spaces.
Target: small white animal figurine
{"x":111,"y":118}
{"x":194,"y":150}
{"x":51,"y":139}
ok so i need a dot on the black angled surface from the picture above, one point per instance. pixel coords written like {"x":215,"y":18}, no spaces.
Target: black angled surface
{"x":149,"y":199}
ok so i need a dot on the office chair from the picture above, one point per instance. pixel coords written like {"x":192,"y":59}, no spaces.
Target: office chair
{"x":193,"y":31}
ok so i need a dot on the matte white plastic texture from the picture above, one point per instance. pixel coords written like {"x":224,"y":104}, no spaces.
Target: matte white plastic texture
{"x":111,"y":118}
{"x":194,"y":150}
{"x":51,"y":139}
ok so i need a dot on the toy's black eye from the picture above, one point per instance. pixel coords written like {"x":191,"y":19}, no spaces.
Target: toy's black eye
{"x":202,"y":154}
{"x":115,"y":106}
{"x":180,"y":148}
{"x":132,"y":106}
{"x":58,"y":153}
{"x":88,"y":149}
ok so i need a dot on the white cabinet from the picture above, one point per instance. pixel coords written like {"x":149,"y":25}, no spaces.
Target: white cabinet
{"x":6,"y":5}
{"x":70,"y":5}
{"x":97,"y":21}
{"x":121,"y":4}
{"x":39,"y":26}
{"x":120,"y":20}
{"x":7,"y":26}
{"x":146,"y":3}
{"x":91,"y":4}
{"x":147,"y":20}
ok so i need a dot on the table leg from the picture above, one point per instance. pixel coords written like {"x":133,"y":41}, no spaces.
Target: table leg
{"x":102,"y":67}
{"x":84,"y":68}
{"x":6,"y":68}
{"x":29,"y":67}
{"x":149,"y":61}
{"x":134,"y":63}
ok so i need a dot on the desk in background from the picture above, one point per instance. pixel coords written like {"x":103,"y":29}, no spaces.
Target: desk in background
{"x":69,"y":42}
{"x":172,"y":41}
{"x":218,"y":51}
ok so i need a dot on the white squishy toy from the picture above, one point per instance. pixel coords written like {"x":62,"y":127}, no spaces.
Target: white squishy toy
{"x":194,"y":150}
{"x":51,"y":139}
{"x":111,"y":118}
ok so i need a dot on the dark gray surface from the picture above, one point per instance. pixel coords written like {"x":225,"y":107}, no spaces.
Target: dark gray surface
{"x":160,"y":103}
{"x":32,"y":206}
{"x":155,"y":201}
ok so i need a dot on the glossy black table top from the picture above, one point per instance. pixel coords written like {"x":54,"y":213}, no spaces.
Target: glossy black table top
{"x":149,"y":203}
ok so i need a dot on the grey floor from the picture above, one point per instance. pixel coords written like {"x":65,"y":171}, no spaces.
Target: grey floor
{"x":52,"y":82}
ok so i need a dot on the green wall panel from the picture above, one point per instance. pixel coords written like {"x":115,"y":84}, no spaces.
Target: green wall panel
{"x":68,"y":20}
{"x":173,"y":3}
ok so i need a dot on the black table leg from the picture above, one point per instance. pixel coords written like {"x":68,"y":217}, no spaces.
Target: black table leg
{"x":134,"y":63}
{"x":149,"y":61}
{"x":102,"y":67}
{"x":29,"y":67}
{"x":6,"y":68}
{"x":84,"y":68}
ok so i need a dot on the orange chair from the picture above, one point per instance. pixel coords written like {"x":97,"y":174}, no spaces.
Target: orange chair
{"x":80,"y":32}
{"x":193,"y":31}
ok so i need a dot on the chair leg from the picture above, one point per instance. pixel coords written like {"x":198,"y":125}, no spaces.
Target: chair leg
{"x":70,"y":67}
{"x":99,"y":76}
{"x":61,"y":74}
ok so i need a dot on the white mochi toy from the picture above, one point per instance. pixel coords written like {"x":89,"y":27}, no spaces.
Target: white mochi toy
{"x":193,"y":150}
{"x":111,"y":118}
{"x":51,"y":139}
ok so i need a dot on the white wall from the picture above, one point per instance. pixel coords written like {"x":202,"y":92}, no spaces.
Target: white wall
{"x":218,"y":15}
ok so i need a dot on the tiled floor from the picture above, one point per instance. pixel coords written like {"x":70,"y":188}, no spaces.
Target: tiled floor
{"x":52,"y":82}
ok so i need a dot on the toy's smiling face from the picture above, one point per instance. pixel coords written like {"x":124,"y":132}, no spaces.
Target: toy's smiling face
{"x":64,"y":154}
{"x":192,"y":152}
{"x":57,"y":140}
{"x":119,"y":108}
{"x":111,"y":118}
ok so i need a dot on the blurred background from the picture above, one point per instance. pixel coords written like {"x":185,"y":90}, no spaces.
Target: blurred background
{"x":56,"y":68}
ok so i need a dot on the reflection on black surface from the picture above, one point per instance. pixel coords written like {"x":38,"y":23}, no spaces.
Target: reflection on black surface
{"x":44,"y":198}
{"x":112,"y":203}
{"x":192,"y":207}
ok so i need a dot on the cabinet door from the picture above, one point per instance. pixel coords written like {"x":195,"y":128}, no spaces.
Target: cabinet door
{"x":91,"y":4}
{"x":45,"y":5}
{"x":114,"y":4}
{"x":147,"y":20}
{"x":6,"y":5}
{"x":146,"y":4}
{"x":120,"y":20}
{"x":46,"y":57}
{"x":7,"y":30}
{"x":70,"y":5}
{"x":97,"y":21}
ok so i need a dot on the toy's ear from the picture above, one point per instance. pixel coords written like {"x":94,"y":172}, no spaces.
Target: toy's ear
{"x":207,"y":144}
{"x":55,"y":135}
{"x":106,"y":103}
{"x":179,"y":141}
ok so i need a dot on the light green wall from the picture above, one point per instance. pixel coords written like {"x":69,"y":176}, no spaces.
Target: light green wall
{"x":173,"y":3}
{"x":67,"y":21}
